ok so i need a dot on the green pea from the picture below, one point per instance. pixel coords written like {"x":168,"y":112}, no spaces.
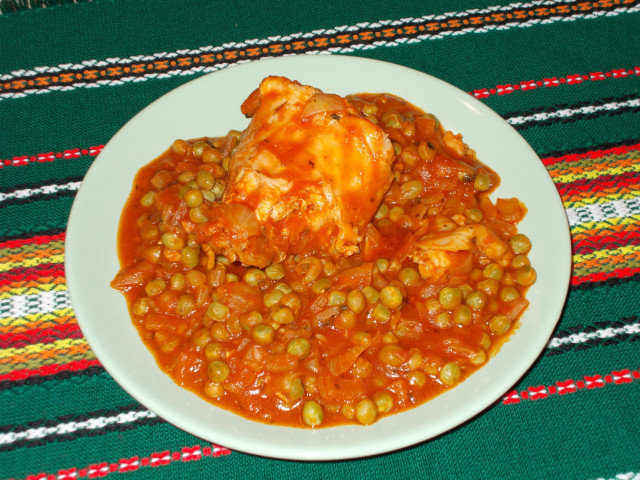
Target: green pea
{"x":482,"y":182}
{"x":371,"y":295}
{"x":462,"y":315}
{"x":499,"y":324}
{"x":263,"y":334}
{"x":172,"y":241}
{"x":450,"y":297}
{"x":380,"y":313}
{"x":443,"y":320}
{"x":275,"y":271}
{"x":205,"y":180}
{"x":196,"y":215}
{"x":272,"y":298}
{"x":526,"y":276}
{"x":409,"y":276}
{"x":520,"y":244}
{"x":320,"y":286}
{"x":476,"y":300}
{"x":217,"y":311}
{"x":312,"y":413}
{"x":299,"y":346}
{"x":337,"y":298}
{"x":193,"y":197}
{"x":382,"y":212}
{"x":382,"y":264}
{"x":383,"y":401}
{"x":282,"y":315}
{"x":148,"y":199}
{"x":494,"y":271}
{"x":391,"y":297}
{"x":190,"y":257}
{"x":294,"y":389}
{"x":366,"y":411}
{"x":254,"y":277}
{"x":411,"y":190}
{"x":508,"y":294}
{"x":356,"y":301}
{"x":218,"y":371}
{"x":155,"y":287}
{"x":450,"y":373}
{"x":214,"y":351}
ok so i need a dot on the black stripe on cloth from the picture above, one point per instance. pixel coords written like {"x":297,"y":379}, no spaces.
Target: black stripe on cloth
{"x":11,"y":6}
{"x":569,"y":113}
{"x":60,"y":376}
{"x":21,"y":194}
{"x":28,"y":235}
{"x":72,"y":427}
{"x":610,"y":282}
{"x":581,"y":150}
{"x":582,"y":337}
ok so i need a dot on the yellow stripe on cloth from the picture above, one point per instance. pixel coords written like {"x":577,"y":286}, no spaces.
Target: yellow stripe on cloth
{"x":37,"y":320}
{"x":38,"y":283}
{"x":35,"y":362}
{"x":602,"y":199}
{"x":603,"y":254}
{"x":625,"y":167}
{"x":21,"y":261}
{"x":46,"y":287}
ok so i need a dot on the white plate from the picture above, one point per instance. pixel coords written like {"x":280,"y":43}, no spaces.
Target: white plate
{"x":210,"y":105}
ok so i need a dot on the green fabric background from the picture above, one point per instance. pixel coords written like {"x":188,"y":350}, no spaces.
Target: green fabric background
{"x":587,"y":434}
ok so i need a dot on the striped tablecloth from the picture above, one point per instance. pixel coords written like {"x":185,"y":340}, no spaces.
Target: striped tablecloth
{"x":566,"y":74}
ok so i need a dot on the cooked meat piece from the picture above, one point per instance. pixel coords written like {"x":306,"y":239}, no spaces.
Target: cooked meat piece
{"x":451,"y":250}
{"x":310,"y":172}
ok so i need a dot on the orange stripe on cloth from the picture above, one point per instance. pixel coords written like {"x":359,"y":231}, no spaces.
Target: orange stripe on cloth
{"x":607,"y":260}
{"x":30,"y":287}
{"x":609,"y":163}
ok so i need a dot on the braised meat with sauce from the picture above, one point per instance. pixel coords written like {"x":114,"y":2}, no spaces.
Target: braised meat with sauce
{"x":308,"y":174}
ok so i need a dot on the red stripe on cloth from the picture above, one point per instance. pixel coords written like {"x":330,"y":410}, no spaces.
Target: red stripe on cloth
{"x":602,"y":276}
{"x":48,"y":370}
{"x":610,"y":241}
{"x":573,"y":157}
{"x":40,"y":335}
{"x":124,"y":465}
{"x":21,"y":160}
{"x":24,"y":274}
{"x":575,"y":79}
{"x":599,"y":183}
{"x":564,"y":387}
{"x":38,"y":240}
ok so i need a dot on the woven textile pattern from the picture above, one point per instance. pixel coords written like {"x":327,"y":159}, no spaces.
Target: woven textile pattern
{"x":564,"y":73}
